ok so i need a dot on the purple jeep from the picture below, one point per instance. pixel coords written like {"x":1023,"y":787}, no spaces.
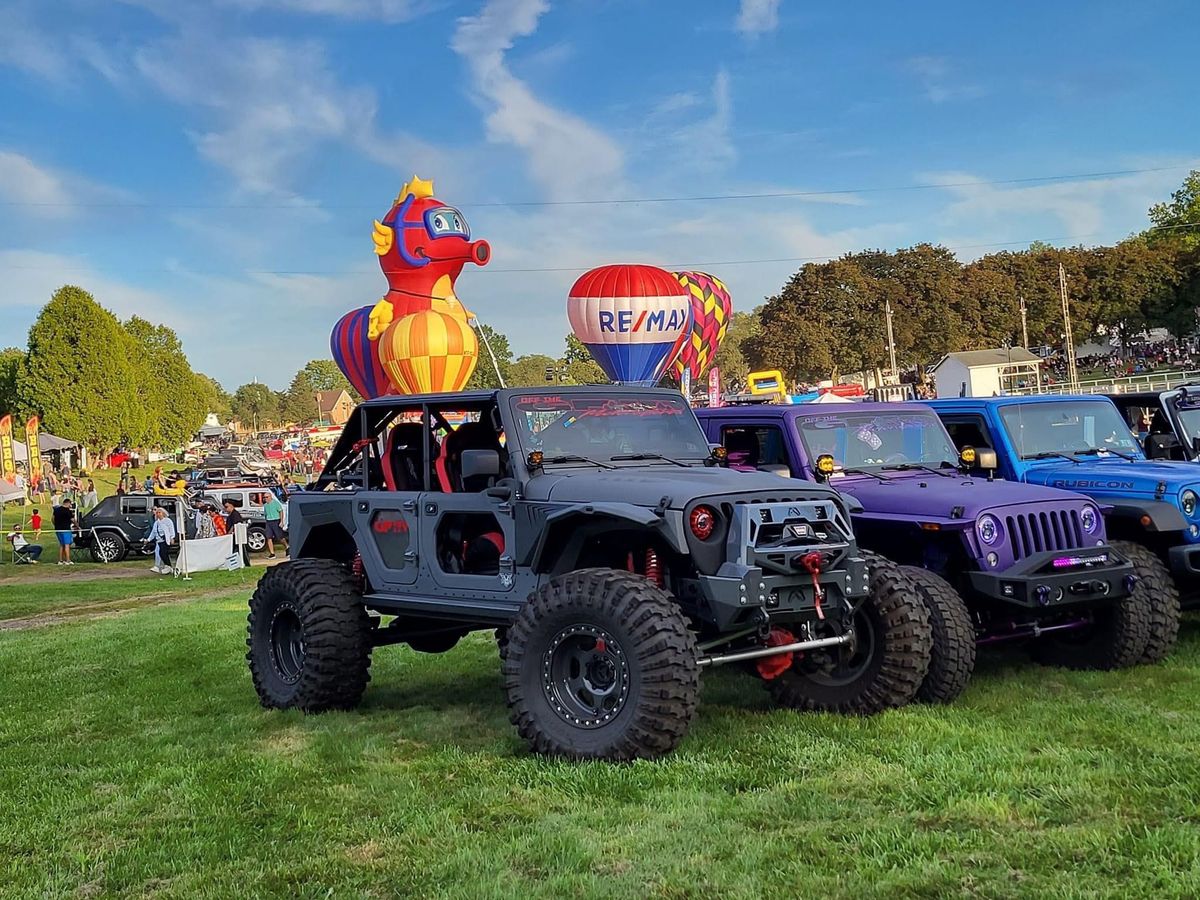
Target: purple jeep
{"x":1028,"y":561}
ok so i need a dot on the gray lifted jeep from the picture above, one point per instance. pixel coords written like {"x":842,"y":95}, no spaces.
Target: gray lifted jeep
{"x":595,"y":530}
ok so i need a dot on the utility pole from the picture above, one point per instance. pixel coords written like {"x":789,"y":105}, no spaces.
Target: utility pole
{"x":1072,"y":372}
{"x":887,"y":307}
{"x":1024,"y":324}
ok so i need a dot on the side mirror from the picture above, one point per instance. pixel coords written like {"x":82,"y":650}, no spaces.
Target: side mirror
{"x":718,"y":455}
{"x":480,"y":464}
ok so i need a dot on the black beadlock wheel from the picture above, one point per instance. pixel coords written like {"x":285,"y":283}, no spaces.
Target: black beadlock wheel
{"x":952,"y":659}
{"x":1117,"y":636}
{"x":884,"y":666}
{"x":107,"y":547}
{"x":309,"y":637}
{"x":600,"y":664}
{"x":1155,"y":581}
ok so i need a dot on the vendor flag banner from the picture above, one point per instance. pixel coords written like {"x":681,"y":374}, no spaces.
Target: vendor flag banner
{"x":714,"y":386}
{"x":8,"y":458}
{"x":33,"y":443}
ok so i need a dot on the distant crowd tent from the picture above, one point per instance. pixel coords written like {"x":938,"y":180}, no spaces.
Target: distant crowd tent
{"x":986,"y":373}
{"x":213,"y":431}
{"x":48,"y":442}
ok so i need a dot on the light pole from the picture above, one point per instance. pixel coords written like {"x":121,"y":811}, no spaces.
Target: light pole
{"x":1024,"y":324}
{"x":1072,"y":372}
{"x":887,"y":308}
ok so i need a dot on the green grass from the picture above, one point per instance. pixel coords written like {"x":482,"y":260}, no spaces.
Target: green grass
{"x":135,"y":760}
{"x":77,"y":590}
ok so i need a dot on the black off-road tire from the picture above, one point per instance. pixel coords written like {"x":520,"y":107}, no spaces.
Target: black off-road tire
{"x":633,"y":641}
{"x":1116,"y":639}
{"x":953,"y":658}
{"x":897,"y":662}
{"x":1155,"y":581}
{"x":330,"y":667}
{"x":108,"y":547}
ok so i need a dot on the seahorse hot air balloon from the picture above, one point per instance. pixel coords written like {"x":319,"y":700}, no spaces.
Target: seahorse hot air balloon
{"x":429,"y":352}
{"x":632,"y":319}
{"x":712,"y":308}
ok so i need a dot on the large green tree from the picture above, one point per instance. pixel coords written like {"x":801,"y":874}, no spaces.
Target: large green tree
{"x":731,"y":358}
{"x":217,"y":400}
{"x":80,"y":375}
{"x":174,"y":409}
{"x":1178,"y":220}
{"x":299,"y":401}
{"x":530,"y":371}
{"x":578,"y":364}
{"x":484,"y":376}
{"x":256,"y":405}
{"x":10,"y":363}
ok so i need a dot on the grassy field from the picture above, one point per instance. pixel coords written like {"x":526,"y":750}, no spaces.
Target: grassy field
{"x":135,"y":761}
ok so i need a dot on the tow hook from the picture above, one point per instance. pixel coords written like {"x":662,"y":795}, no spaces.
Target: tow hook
{"x":812,"y":565}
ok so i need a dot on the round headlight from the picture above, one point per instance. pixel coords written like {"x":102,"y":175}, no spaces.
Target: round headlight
{"x":1089,"y":518}
{"x":1188,"y":502}
{"x":988,"y":528}
{"x":703,"y":521}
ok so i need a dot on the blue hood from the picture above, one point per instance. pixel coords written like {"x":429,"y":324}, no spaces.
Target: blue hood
{"x":1116,"y":477}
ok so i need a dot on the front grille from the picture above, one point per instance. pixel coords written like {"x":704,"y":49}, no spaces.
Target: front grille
{"x":1038,"y":532}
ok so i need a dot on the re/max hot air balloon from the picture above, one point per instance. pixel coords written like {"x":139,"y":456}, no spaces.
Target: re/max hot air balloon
{"x":712,"y":309}
{"x":429,"y":352}
{"x":356,"y":355}
{"x":632,"y":319}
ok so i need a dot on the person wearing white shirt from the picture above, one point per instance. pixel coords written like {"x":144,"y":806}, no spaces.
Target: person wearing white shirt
{"x":162,"y":535}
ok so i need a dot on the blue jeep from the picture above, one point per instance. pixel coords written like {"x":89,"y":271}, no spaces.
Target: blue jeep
{"x":1083,"y":444}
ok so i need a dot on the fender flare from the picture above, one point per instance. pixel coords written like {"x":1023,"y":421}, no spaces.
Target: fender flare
{"x":587,"y":515}
{"x":1163,"y":516}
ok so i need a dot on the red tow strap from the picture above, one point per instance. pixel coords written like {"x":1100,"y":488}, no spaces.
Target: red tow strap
{"x":812,"y":565}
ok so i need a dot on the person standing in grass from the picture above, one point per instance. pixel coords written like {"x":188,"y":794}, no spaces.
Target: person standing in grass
{"x":64,"y":529}
{"x":162,"y":535}
{"x":90,"y":497}
{"x":273,"y":514}
{"x":35,"y":525}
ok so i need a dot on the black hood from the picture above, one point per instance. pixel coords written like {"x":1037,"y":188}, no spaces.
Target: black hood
{"x":646,"y":485}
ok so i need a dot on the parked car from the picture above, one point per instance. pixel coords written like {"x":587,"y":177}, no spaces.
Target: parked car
{"x":249,"y":499}
{"x":996,"y":560}
{"x":1084,"y":444}
{"x":118,"y":525}
{"x":614,"y":556}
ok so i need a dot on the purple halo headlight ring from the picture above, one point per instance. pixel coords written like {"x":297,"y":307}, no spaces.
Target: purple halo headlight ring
{"x":988,"y":529}
{"x":1089,"y":518}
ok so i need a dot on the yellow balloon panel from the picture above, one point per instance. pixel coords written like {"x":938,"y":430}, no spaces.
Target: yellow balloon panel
{"x":429,"y":352}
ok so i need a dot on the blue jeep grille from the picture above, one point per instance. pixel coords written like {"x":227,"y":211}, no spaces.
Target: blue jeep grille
{"x":1057,"y":529}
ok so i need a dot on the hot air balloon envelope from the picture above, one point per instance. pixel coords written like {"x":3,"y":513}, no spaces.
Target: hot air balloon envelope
{"x":712,"y":309}
{"x":356,"y":355}
{"x":632,"y":319}
{"x":429,"y":352}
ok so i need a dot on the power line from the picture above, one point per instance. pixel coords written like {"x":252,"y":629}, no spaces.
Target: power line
{"x":675,"y":266}
{"x":614,"y":201}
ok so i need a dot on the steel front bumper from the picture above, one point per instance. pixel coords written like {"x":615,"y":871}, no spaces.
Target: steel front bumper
{"x":768,"y":566}
{"x":1055,"y":579}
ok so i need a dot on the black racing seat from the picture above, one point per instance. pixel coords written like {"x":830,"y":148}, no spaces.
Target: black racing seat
{"x":468,"y":436}
{"x":404,"y":457}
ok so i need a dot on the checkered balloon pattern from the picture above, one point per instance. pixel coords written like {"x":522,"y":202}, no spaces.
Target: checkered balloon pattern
{"x":712,"y":309}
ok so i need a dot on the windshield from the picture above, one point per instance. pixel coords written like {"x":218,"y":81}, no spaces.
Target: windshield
{"x":1188,"y":410}
{"x":867,"y":439}
{"x":603,"y":426}
{"x":1067,"y":427}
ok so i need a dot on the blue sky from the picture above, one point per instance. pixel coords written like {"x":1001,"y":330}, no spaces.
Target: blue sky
{"x":216,"y":164}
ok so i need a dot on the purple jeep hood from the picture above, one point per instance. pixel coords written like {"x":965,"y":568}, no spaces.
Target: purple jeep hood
{"x":923,"y":495}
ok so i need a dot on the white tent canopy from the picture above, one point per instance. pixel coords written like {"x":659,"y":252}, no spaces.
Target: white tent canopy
{"x":46,"y":441}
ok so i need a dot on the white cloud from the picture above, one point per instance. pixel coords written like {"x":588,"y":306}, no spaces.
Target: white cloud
{"x":566,"y":156}
{"x":1084,"y":208}
{"x":37,"y":190}
{"x":939,"y":80}
{"x":382,"y":10}
{"x":757,"y":17}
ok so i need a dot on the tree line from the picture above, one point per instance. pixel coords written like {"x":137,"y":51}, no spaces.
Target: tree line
{"x":829,"y":319}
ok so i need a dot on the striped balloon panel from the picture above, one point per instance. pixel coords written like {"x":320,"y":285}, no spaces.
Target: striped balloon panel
{"x":429,"y":352}
{"x":356,"y":355}
{"x":712,"y":308}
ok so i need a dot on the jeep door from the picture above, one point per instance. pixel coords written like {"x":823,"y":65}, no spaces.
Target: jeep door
{"x":467,"y":541}
{"x":391,"y":522}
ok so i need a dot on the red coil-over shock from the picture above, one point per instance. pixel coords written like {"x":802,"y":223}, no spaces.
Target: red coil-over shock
{"x":653,"y":567}
{"x":812,"y":565}
{"x":358,"y":572}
